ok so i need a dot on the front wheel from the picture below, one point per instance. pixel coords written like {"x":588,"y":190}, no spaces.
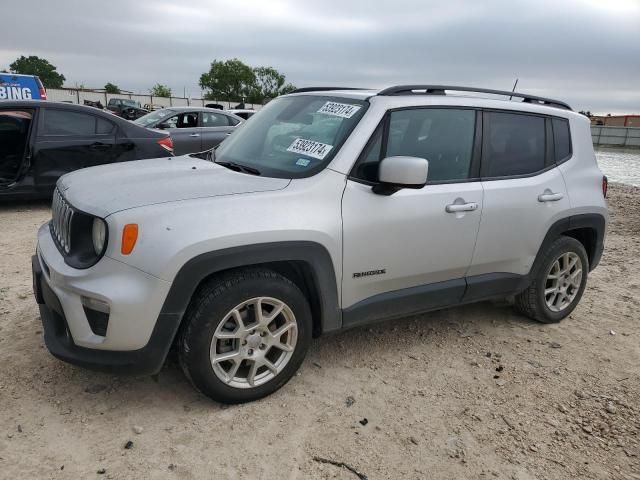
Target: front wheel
{"x":246,"y":334}
{"x":559,"y":279}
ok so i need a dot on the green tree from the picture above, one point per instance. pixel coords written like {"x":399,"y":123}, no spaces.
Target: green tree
{"x":288,"y":88}
{"x":230,"y":80}
{"x":160,"y":90}
{"x":111,"y":88}
{"x":33,"y":65}
{"x":269,"y":83}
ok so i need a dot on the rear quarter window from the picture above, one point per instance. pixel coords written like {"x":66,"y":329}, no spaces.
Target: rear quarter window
{"x":562,"y":139}
{"x":104,"y":127}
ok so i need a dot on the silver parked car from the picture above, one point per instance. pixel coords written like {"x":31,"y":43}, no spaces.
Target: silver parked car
{"x":193,"y":129}
{"x":243,"y":113}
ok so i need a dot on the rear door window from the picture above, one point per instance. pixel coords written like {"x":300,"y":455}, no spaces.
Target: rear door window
{"x":66,"y":123}
{"x":182,"y":120}
{"x":513,"y":144}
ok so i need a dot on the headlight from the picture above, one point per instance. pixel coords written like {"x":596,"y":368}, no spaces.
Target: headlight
{"x":98,"y":235}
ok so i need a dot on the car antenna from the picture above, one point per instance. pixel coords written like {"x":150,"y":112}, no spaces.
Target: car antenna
{"x":514,"y":88}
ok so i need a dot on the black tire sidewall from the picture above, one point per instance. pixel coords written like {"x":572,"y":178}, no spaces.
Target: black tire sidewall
{"x":560,"y":247}
{"x":206,"y":319}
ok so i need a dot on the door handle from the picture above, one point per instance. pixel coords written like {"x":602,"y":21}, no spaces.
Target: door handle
{"x":194,"y":135}
{"x":99,"y":146}
{"x":548,"y":196}
{"x":461,"y":207}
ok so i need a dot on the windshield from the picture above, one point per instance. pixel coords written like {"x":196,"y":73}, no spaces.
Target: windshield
{"x":153,"y":117}
{"x":293,"y":137}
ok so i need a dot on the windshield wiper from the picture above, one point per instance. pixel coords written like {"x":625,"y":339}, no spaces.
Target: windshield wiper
{"x":239,"y":168}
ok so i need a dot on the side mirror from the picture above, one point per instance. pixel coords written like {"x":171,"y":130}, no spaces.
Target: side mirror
{"x":395,"y":173}
{"x":163,"y":126}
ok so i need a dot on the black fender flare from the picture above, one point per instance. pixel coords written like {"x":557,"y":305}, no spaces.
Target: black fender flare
{"x":314,"y":255}
{"x":593,"y":221}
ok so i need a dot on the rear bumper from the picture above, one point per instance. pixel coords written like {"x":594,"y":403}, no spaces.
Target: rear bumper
{"x":59,"y":341}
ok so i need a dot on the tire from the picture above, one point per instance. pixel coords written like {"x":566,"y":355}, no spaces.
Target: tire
{"x":533,"y":302}
{"x":212,"y":328}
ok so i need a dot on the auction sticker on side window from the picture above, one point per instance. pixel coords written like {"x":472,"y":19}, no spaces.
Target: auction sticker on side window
{"x":343,"y":110}
{"x":310,"y":148}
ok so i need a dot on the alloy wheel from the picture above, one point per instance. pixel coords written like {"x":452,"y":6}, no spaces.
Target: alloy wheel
{"x":563,"y":281}
{"x":254,"y":342}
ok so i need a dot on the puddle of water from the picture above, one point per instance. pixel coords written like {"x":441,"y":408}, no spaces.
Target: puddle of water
{"x":622,"y":166}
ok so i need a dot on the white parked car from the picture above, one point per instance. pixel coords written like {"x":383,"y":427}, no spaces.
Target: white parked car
{"x":329,"y":209}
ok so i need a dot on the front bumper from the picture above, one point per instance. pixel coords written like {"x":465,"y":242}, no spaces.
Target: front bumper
{"x":138,"y":335}
{"x":57,"y":337}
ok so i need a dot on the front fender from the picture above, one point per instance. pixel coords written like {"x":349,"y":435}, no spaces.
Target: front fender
{"x":314,"y":255}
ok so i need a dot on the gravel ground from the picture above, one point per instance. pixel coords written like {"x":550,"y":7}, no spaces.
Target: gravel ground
{"x":471,"y":392}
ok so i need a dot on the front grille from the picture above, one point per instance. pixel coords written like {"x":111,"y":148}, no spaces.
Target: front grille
{"x":61,"y":222}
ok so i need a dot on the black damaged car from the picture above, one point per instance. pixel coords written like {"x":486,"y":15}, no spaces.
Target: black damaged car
{"x":41,"y":141}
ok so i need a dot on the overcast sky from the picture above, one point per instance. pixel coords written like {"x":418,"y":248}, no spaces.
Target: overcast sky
{"x":586,"y":52}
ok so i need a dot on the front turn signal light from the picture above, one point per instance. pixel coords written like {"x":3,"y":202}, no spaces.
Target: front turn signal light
{"x":129,"y":238}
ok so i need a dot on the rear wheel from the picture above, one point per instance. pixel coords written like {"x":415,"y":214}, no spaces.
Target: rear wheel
{"x":559,"y":279}
{"x":246,"y":334}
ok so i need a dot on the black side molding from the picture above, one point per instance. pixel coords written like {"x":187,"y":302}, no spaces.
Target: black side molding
{"x":494,"y":285}
{"x":404,"y":302}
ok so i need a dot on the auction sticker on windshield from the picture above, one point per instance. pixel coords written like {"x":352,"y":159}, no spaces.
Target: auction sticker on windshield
{"x":310,"y":148}
{"x":343,"y":110}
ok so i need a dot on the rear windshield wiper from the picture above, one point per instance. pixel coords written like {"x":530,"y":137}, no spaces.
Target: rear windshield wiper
{"x":239,"y":168}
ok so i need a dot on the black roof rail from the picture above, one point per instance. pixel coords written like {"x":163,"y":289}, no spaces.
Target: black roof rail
{"x":324,"y":89}
{"x":441,"y":90}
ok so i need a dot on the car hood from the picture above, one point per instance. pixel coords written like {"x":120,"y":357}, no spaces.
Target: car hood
{"x":107,"y":189}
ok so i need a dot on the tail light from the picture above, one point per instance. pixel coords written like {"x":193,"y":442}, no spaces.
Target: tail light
{"x":167,"y":144}
{"x":605,"y":186}
{"x":41,"y":89}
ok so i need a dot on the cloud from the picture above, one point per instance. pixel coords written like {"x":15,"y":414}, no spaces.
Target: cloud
{"x":581,"y":51}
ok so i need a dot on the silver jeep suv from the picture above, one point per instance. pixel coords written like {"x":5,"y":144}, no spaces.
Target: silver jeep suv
{"x":331,"y":208}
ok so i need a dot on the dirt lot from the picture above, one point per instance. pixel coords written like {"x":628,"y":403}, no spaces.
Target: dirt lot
{"x":473,"y":392}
